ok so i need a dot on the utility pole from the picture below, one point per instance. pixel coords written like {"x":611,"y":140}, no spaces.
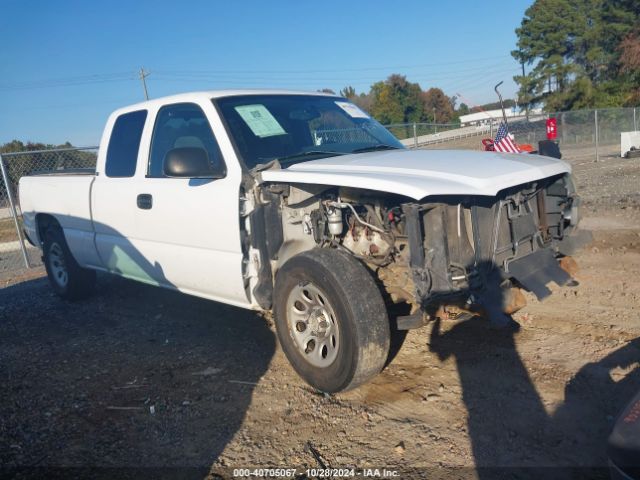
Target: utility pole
{"x":525,"y":86}
{"x":144,"y":75}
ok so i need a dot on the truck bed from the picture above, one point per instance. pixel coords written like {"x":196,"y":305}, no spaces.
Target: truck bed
{"x":66,"y":195}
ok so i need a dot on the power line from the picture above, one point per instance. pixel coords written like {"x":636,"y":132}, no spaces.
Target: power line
{"x":359,"y":69}
{"x":223,"y":75}
{"x":123,"y":76}
{"x":69,"y":81}
{"x":458,"y":77}
{"x":319,"y":82}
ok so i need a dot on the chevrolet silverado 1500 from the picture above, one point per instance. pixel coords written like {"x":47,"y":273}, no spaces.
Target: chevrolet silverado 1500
{"x":303,"y":205}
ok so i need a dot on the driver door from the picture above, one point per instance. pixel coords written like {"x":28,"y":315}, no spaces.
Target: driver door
{"x":188,"y":228}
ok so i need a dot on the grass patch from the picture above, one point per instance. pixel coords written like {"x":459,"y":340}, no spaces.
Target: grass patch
{"x":8,"y":230}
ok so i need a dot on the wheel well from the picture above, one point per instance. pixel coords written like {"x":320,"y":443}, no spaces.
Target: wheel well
{"x":43,"y":222}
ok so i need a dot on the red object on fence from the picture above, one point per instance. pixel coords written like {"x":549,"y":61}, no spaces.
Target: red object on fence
{"x":487,"y":143}
{"x":552,"y":129}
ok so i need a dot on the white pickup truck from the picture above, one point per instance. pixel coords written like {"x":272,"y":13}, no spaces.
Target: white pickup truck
{"x":301,"y":204}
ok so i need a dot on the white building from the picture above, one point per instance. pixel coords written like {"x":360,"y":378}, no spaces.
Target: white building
{"x":495,"y":116}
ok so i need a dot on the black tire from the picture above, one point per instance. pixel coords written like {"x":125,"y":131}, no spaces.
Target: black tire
{"x":68,"y":279}
{"x":361,"y":318}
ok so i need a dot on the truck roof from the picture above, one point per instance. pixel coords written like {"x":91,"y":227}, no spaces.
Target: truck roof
{"x":209,"y":94}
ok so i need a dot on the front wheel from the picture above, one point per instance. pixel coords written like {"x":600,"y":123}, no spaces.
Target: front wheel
{"x":331,"y":320}
{"x":68,"y":279}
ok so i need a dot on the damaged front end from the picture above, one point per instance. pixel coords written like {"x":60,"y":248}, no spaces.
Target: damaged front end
{"x":448,"y":256}
{"x":473,"y":254}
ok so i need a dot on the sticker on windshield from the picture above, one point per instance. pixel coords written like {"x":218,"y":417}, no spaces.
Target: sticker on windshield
{"x":352,"y":110}
{"x":260,"y":120}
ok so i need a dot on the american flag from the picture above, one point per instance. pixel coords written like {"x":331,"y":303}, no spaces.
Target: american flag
{"x":503,"y":142}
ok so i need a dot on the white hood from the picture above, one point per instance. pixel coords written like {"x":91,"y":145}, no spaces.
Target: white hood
{"x":421,"y":173}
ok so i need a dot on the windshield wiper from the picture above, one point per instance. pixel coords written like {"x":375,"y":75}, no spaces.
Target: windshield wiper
{"x":301,"y":155}
{"x":375,"y":147}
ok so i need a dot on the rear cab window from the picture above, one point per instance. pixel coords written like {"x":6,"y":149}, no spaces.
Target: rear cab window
{"x":122,"y":153}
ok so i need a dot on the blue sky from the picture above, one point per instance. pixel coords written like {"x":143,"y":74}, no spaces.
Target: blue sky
{"x":65,"y":65}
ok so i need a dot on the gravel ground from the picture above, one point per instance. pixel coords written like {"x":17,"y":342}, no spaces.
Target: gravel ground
{"x":138,"y":377}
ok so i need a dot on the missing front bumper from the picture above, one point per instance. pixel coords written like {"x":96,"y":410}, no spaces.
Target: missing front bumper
{"x":468,"y":254}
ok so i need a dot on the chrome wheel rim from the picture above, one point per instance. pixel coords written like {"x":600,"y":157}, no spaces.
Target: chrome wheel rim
{"x":313,"y":325}
{"x":57,"y":265}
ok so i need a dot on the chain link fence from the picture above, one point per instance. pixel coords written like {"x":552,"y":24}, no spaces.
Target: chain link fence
{"x":414,"y":135}
{"x":15,"y":251}
{"x":598,"y":130}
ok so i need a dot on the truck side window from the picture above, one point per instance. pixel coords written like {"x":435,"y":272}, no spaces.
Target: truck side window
{"x":182,"y":125}
{"x":122,"y":153}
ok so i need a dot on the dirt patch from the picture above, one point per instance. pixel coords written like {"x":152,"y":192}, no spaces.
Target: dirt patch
{"x":140,"y":377}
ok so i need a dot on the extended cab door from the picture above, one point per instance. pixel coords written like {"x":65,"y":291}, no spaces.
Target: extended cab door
{"x":113,"y":197}
{"x":189,"y":228}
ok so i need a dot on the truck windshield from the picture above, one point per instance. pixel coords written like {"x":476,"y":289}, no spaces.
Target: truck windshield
{"x":298,"y":128}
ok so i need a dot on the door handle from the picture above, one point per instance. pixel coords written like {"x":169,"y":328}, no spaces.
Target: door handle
{"x":145,"y":201}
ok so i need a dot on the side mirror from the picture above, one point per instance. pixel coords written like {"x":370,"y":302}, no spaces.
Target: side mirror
{"x":189,"y":162}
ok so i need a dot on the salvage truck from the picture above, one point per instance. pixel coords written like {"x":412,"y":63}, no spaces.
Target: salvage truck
{"x":302,"y":205}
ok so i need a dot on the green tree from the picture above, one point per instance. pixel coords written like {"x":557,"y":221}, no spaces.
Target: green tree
{"x":573,"y":49}
{"x":348,"y":92}
{"x":364,"y":101}
{"x":463,"y":109}
{"x":396,"y":100}
{"x":18,"y":146}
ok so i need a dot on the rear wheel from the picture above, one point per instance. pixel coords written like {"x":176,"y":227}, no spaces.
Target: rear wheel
{"x":68,"y":279}
{"x":331,"y":320}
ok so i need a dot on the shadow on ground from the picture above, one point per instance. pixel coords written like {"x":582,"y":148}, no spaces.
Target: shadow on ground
{"x":135,"y":376}
{"x":508,"y":424}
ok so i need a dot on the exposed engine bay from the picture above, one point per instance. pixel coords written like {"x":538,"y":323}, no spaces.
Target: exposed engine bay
{"x":446,"y":257}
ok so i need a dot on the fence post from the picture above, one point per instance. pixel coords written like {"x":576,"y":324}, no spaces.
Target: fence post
{"x":596,"y":124}
{"x":415,"y":135}
{"x":635,"y":124}
{"x":14,"y":212}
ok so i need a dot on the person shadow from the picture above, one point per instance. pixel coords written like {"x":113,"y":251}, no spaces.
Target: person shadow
{"x":500,"y":397}
{"x":512,"y":434}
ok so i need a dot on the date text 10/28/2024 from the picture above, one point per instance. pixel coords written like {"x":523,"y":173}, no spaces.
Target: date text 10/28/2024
{"x":316,"y":472}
